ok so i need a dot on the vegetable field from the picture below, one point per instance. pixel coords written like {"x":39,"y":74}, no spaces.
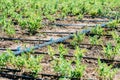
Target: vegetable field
{"x":60,"y":39}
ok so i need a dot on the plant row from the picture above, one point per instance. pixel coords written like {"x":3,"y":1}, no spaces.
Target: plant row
{"x":67,"y":68}
{"x":30,"y":13}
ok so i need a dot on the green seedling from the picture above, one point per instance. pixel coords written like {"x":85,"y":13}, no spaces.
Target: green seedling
{"x":78,"y":72}
{"x":33,"y":25}
{"x":93,"y":13}
{"x":98,"y":30}
{"x":110,"y":52}
{"x":115,"y":36}
{"x":8,"y":27}
{"x":64,"y":67}
{"x":62,"y":50}
{"x":3,"y":60}
{"x":75,"y":11}
{"x":50,"y":18}
{"x":95,"y":41}
{"x":33,"y":65}
{"x":51,"y":52}
{"x":79,"y":53}
{"x":25,"y":62}
{"x":80,"y":17}
{"x":78,"y":38}
{"x":113,"y":24}
{"x":105,"y":72}
{"x":10,"y":30}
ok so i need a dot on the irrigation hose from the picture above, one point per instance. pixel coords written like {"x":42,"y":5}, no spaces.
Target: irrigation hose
{"x":21,"y":39}
{"x":84,"y":31}
{"x":84,"y":57}
{"x":14,"y":76}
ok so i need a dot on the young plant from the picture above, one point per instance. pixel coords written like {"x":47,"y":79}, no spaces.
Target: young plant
{"x":64,"y":67}
{"x":95,"y":41}
{"x":115,"y":36}
{"x":8,"y":27}
{"x":75,"y":11}
{"x":79,"y":53}
{"x":51,"y":52}
{"x":80,"y":17}
{"x":98,"y":30}
{"x":110,"y":52}
{"x":93,"y":13}
{"x":79,"y":69}
{"x":105,"y":72}
{"x":61,"y":65}
{"x":78,"y":38}
{"x":50,"y":18}
{"x":3,"y":60}
{"x":113,"y":24}
{"x":20,"y":62}
{"x":33,"y":65}
{"x":62,"y":50}
{"x":10,"y":30}
{"x":33,"y":25}
{"x":25,"y":63}
{"x":11,"y":59}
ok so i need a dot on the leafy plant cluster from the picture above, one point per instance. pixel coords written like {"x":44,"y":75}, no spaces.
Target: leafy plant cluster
{"x":25,"y":62}
{"x":113,"y":24}
{"x":110,"y":50}
{"x":64,"y":67}
{"x":106,"y":72}
{"x":30,"y":13}
{"x":77,"y":39}
{"x":69,"y":70}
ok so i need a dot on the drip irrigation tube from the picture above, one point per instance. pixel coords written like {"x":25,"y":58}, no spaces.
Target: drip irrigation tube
{"x":85,"y":44}
{"x":91,"y":34}
{"x":11,"y":70}
{"x":7,"y":49}
{"x":59,"y":76}
{"x":82,"y":25}
{"x":84,"y":57}
{"x":48,"y":43}
{"x":5,"y":38}
{"x":75,"y":25}
{"x":85,"y":31}
{"x":79,"y":25}
{"x":21,"y":39}
{"x":85,"y":20}
{"x":89,"y":16}
{"x":27,"y":77}
{"x":14,"y":76}
{"x":59,"y":32}
{"x":19,"y":51}
{"x":43,"y":45}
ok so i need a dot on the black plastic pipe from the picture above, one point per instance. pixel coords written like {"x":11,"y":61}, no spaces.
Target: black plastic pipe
{"x":84,"y":57}
{"x":88,"y":20}
{"x":21,"y":39}
{"x":14,"y":76}
{"x":48,"y":43}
